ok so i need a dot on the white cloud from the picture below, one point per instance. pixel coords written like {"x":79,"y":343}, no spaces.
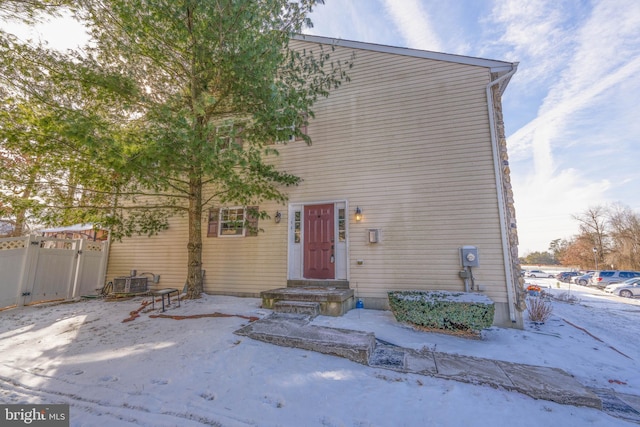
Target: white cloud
{"x":414,"y":23}
{"x":545,"y":205}
{"x":351,"y":20}
{"x":531,"y":32}
{"x":565,"y":99}
{"x":581,"y":64}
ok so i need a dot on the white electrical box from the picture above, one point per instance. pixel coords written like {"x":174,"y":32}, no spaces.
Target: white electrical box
{"x":374,"y":235}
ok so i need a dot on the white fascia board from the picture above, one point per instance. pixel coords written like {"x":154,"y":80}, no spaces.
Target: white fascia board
{"x":494,"y":65}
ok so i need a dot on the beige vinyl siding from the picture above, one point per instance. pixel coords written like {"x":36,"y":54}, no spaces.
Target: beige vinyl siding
{"x":408,"y":141}
{"x":232,"y":265}
{"x":164,"y":254}
{"x":248,"y":265}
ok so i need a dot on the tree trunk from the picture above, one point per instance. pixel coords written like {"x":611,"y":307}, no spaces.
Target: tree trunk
{"x":194,"y":247}
{"x":19,"y":224}
{"x":21,"y":212}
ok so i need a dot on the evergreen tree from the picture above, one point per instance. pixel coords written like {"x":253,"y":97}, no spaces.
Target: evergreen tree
{"x":176,"y":103}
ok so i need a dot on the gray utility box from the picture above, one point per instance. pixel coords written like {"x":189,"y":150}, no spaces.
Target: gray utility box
{"x":469,"y":256}
{"x":127,"y":285}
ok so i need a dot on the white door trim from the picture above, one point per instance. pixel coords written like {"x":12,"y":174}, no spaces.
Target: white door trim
{"x":295,"y":258}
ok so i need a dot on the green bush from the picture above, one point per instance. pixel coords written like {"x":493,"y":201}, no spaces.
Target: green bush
{"x":451,"y":311}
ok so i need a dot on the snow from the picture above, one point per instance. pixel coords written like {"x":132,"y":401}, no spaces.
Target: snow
{"x":155,"y":371}
{"x":461,"y":297}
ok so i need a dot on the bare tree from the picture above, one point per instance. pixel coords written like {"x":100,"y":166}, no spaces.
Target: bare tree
{"x":593,"y":226}
{"x":614,"y":232}
{"x":625,"y":237}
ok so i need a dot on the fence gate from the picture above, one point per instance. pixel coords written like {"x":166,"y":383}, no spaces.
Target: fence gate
{"x":13,"y":253}
{"x":38,"y":269}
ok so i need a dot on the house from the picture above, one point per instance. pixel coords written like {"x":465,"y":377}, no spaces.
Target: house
{"x":6,"y":228}
{"x":76,"y":231}
{"x":408,"y":169}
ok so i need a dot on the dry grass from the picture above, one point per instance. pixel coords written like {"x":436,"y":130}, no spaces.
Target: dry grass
{"x":539,"y":310}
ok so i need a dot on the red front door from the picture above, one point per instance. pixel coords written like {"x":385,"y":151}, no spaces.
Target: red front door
{"x":319,"y":252}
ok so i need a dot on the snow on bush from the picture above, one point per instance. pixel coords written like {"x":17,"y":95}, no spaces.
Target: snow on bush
{"x":453,"y":311}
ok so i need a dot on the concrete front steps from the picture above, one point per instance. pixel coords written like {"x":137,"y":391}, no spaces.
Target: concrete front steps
{"x":311,"y":309}
{"x":302,"y":283}
{"x":331,"y":301}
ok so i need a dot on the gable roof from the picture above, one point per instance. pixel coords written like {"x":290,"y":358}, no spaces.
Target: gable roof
{"x":495,"y":66}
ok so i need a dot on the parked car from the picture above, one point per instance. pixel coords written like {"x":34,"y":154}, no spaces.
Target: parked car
{"x":603,"y":278}
{"x":566,"y":276}
{"x":537,"y":273}
{"x":583,"y":280}
{"x":629,"y":288}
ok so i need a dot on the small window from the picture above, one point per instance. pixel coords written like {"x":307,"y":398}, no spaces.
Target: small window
{"x":287,"y":133}
{"x":342,"y":225}
{"x":233,"y":221}
{"x":226,"y":136}
{"x":297,"y":226}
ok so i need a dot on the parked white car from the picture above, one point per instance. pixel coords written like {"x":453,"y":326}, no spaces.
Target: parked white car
{"x":538,"y":273}
{"x":629,"y":288}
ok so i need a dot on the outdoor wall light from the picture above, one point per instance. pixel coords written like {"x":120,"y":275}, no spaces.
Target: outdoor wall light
{"x":358,"y":214}
{"x":278,"y":217}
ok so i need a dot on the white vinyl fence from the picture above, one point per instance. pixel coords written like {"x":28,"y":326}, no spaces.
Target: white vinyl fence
{"x":37,"y":269}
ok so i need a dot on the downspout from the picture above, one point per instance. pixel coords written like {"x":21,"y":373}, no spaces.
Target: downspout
{"x":501,"y":203}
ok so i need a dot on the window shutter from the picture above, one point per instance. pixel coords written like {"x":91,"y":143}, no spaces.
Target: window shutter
{"x":239,"y":140}
{"x":251,"y":215}
{"x":212,"y":229}
{"x":303,"y":128}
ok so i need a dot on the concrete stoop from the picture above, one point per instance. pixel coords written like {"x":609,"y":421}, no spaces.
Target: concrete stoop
{"x":311,"y":309}
{"x":294,"y":330}
{"x":332,"y":301}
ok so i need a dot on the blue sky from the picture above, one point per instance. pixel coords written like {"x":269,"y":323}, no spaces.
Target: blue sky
{"x":572,"y":111}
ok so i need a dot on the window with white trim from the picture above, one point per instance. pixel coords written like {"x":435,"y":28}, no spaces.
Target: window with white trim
{"x":342,"y":225}
{"x":297,"y":226}
{"x":227,"y":136}
{"x":236,"y":221}
{"x":288,"y":133}
{"x":231,"y":222}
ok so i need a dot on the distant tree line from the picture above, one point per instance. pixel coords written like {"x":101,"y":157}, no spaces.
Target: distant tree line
{"x":539,"y":258}
{"x":608,"y":238}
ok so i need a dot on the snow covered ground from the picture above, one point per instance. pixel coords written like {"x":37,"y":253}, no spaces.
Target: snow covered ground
{"x":193,"y":372}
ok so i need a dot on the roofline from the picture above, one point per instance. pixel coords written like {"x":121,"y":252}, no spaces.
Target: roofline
{"x":494,"y":65}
